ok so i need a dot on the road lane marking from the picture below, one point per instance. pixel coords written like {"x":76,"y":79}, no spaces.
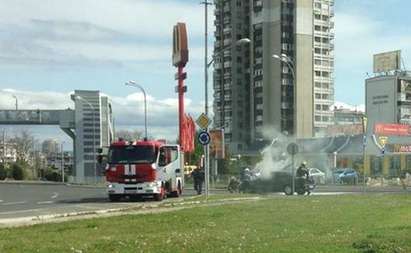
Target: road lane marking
{"x":22,"y":211}
{"x":45,"y":202}
{"x":14,"y":203}
{"x":55,"y":195}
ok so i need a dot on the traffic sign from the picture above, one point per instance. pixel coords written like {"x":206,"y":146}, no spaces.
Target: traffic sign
{"x":204,"y":138}
{"x":203,"y":121}
{"x":292,"y":148}
{"x":383,"y":140}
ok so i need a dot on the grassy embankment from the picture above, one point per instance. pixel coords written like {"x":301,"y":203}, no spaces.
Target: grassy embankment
{"x":372,"y":223}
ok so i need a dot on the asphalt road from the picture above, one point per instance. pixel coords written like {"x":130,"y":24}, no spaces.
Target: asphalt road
{"x":19,"y":200}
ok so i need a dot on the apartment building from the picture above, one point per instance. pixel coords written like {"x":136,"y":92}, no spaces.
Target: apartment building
{"x":254,"y":94}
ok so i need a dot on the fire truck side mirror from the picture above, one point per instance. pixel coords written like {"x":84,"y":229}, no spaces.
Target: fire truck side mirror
{"x":99,"y":150}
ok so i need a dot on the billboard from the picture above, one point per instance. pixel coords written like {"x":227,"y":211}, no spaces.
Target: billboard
{"x":387,"y":61}
{"x":180,"y":45}
{"x":392,"y":129}
{"x":398,"y":148}
{"x":217,"y":149}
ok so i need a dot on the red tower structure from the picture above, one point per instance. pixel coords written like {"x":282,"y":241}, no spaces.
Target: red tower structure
{"x":180,"y":59}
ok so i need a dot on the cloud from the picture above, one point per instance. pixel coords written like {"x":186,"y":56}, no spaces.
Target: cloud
{"x":87,"y":32}
{"x":361,"y":32}
{"x":342,"y":105}
{"x":128,"y":111}
{"x":358,"y":38}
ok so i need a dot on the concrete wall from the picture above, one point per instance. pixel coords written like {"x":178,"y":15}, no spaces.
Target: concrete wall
{"x":271,"y":68}
{"x":304,"y":68}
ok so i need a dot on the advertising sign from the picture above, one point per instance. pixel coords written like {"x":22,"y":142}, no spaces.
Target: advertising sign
{"x":217,"y":149}
{"x":387,"y":61}
{"x":392,"y":129}
{"x":180,"y":45}
{"x":399,"y":148}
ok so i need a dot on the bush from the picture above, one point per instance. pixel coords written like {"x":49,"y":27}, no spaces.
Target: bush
{"x":3,"y":172}
{"x":17,"y":171}
{"x":52,"y":176}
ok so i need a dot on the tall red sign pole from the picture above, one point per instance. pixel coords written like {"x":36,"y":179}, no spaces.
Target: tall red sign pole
{"x":180,"y":59}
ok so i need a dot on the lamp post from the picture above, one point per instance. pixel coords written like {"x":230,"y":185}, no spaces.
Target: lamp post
{"x":62,"y":161}
{"x":134,"y":84}
{"x":206,"y":67}
{"x":17,"y":102}
{"x":290,"y":63}
{"x":94,"y":135}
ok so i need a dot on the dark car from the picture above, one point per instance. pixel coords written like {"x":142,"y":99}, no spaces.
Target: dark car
{"x":280,"y":181}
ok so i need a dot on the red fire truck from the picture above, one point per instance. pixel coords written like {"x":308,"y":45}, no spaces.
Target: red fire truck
{"x":144,"y":169}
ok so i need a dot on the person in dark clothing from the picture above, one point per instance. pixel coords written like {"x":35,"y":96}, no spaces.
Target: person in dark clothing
{"x":302,"y":171}
{"x":198,"y":178}
{"x":302,"y":175}
{"x":245,"y":180}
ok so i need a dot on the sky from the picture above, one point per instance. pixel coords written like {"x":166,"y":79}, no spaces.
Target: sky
{"x":48,"y":48}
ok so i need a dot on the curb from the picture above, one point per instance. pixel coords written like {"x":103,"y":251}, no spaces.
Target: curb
{"x":149,"y":208}
{"x":51,"y":183}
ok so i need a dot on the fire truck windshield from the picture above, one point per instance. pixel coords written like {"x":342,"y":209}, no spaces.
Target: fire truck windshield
{"x":131,"y":154}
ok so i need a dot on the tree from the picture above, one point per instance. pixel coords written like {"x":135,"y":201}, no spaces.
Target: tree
{"x":17,"y":171}
{"x":129,"y":135}
{"x":3,"y":172}
{"x":194,"y":157}
{"x":24,"y":142}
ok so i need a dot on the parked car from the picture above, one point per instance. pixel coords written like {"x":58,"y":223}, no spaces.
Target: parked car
{"x":317,"y":175}
{"x":346,"y":176}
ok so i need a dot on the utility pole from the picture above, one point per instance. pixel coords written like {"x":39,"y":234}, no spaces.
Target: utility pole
{"x":206,"y":147}
{"x":4,"y":149}
{"x":62,"y":161}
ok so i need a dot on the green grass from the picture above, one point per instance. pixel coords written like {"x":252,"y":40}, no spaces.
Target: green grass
{"x":372,"y":223}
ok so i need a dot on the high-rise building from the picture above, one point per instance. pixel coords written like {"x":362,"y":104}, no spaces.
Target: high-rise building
{"x":254,"y":94}
{"x":50,"y":146}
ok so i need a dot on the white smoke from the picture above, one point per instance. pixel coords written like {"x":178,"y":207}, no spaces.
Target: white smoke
{"x":276,"y":158}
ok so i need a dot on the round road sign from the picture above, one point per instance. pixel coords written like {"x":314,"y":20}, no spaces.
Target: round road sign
{"x":292,"y":148}
{"x":204,"y":138}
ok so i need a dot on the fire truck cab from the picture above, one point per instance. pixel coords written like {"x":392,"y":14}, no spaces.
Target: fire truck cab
{"x":144,"y":169}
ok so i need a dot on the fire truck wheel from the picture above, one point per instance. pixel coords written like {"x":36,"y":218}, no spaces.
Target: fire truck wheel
{"x":114,"y":198}
{"x":160,"y":196}
{"x":178,"y":192}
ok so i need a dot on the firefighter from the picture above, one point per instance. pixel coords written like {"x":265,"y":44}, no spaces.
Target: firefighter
{"x":302,"y":171}
{"x":198,"y":178}
{"x":302,"y":175}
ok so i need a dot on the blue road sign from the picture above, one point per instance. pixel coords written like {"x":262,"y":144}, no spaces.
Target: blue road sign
{"x":204,"y":138}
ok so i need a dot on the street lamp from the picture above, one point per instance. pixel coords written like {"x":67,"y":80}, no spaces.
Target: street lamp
{"x":94,"y":135}
{"x":206,"y":67}
{"x":17,"y":103}
{"x":239,"y":42}
{"x":62,"y":161}
{"x":134,"y":84}
{"x":290,"y":63}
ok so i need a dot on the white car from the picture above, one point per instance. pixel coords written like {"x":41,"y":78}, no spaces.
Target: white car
{"x":317,"y":175}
